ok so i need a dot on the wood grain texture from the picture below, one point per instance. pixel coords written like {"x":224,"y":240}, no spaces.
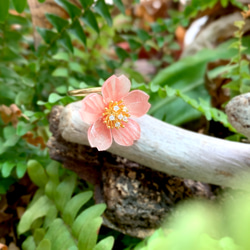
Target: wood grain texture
{"x":172,"y":150}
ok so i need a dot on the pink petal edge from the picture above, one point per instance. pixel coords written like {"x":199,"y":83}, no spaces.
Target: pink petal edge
{"x":126,"y":136}
{"x":137,"y":103}
{"x":92,"y":108}
{"x":99,"y":136}
{"x":115,"y":88}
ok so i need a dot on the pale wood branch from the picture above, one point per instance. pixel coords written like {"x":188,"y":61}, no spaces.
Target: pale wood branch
{"x":172,"y":150}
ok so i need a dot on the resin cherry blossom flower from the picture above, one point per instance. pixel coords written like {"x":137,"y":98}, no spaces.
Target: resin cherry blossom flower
{"x":111,"y":114}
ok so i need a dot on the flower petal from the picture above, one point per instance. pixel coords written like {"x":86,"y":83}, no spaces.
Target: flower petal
{"x":137,"y":103}
{"x":126,"y":136}
{"x":115,"y":88}
{"x":92,"y":108}
{"x":99,"y":136}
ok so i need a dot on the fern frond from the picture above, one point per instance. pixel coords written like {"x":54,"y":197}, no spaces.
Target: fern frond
{"x":55,"y":217}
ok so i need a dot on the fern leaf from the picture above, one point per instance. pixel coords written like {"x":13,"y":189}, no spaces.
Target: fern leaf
{"x":73,"y":206}
{"x":36,"y":173}
{"x":39,"y":235}
{"x":64,"y":191}
{"x":59,"y":236}
{"x":29,"y":244}
{"x":88,"y":234}
{"x":51,"y":215}
{"x":45,"y":244}
{"x":87,"y":215}
{"x":105,"y":244}
{"x":52,"y":171}
{"x":37,"y":210}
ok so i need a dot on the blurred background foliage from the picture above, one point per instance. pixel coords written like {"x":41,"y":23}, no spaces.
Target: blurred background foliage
{"x":48,"y":47}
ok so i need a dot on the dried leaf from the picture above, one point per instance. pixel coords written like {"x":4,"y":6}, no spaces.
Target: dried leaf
{"x":246,"y":13}
{"x":5,"y":113}
{"x":10,"y":114}
{"x":15,"y":110}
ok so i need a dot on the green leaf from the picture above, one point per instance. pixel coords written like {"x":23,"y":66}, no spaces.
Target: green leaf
{"x":9,"y":54}
{"x":105,"y":244}
{"x":25,"y":97}
{"x":72,"y":10}
{"x":8,"y":72}
{"x":58,"y":22}
{"x":23,"y":128}
{"x":39,"y":234}
{"x":73,"y":206}
{"x":60,"y":72}
{"x":51,"y":215}
{"x":21,"y":168}
{"x":47,"y":35}
{"x":119,"y":5}
{"x":74,"y":66}
{"x":8,"y":132}
{"x":66,"y":42}
{"x":37,"y":210}
{"x":36,"y":173}
{"x":87,"y":216}
{"x":61,"y":56}
{"x":52,"y":171}
{"x":73,"y":248}
{"x":90,"y":20}
{"x":7,"y":168}
{"x":224,"y":3}
{"x":53,"y":97}
{"x":122,"y":54}
{"x":64,"y":191}
{"x":11,"y":141}
{"x":134,"y":44}
{"x":89,"y":233}
{"x":45,"y":244}
{"x":59,"y":235}
{"x":29,"y":244}
{"x":41,"y":1}
{"x":19,"y":5}
{"x":4,"y":8}
{"x":143,"y":35}
{"x":86,"y":3}
{"x":186,"y":75}
{"x":77,"y":30}
{"x":102,"y":9}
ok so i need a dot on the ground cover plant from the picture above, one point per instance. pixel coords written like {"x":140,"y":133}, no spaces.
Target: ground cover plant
{"x":48,"y":47}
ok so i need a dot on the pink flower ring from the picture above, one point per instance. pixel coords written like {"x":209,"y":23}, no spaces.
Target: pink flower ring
{"x":111,"y":114}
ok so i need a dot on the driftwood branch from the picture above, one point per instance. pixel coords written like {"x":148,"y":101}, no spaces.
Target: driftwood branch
{"x":138,"y":198}
{"x":172,"y":150}
{"x":215,"y":33}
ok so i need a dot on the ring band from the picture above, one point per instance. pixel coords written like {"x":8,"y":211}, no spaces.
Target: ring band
{"x":84,"y":92}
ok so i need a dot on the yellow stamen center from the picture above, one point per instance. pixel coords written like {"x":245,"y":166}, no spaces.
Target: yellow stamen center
{"x":116,"y":115}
